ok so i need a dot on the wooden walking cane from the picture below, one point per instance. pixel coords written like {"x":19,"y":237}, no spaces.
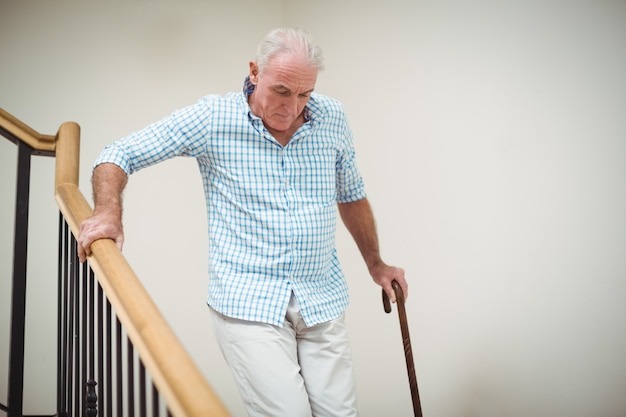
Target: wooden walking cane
{"x":406,"y":340}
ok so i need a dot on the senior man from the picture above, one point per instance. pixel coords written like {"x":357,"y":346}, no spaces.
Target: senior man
{"x":277,"y":163}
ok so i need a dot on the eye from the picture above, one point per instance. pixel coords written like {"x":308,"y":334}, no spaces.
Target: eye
{"x":282,"y":92}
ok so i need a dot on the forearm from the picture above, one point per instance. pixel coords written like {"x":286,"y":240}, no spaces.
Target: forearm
{"x":108,"y":182}
{"x":359,"y":220}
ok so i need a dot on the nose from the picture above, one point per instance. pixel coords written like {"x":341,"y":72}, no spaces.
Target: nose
{"x":291,"y":104}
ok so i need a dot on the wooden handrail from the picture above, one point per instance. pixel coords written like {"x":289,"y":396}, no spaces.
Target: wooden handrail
{"x":45,"y":143}
{"x":179,"y":381}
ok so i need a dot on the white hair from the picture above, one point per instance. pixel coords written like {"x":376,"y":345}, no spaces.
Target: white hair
{"x":290,"y":41}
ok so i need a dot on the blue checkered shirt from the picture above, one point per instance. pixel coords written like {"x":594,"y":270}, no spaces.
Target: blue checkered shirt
{"x":271,"y":209}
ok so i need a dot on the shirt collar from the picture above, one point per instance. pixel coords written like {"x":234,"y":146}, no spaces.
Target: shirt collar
{"x":311,"y":110}
{"x":248,"y":87}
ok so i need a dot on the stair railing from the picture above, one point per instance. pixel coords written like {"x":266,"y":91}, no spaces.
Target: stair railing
{"x":117,"y":354}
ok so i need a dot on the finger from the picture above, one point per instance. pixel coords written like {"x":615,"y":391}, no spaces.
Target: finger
{"x":83,"y":243}
{"x":83,"y":250}
{"x":405,"y":288}
{"x":120,"y":242}
{"x":390,"y":292}
{"x":403,"y":284}
{"x":81,"y":254}
{"x":80,"y":240}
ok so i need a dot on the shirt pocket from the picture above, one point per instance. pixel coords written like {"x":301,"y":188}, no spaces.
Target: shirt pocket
{"x":313,"y":176}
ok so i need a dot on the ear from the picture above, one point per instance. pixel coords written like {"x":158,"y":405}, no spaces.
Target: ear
{"x":254,"y":72}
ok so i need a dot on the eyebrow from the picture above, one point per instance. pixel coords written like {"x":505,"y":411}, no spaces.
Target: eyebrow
{"x":285,"y":88}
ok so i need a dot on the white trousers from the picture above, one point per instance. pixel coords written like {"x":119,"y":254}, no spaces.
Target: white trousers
{"x":290,"y":371}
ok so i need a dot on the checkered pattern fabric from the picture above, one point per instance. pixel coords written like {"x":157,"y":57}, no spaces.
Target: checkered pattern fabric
{"x":271,"y":209}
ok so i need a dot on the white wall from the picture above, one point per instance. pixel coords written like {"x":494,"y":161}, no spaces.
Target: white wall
{"x":492,"y":141}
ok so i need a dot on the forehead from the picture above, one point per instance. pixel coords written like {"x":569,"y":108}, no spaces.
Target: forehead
{"x":293,"y":72}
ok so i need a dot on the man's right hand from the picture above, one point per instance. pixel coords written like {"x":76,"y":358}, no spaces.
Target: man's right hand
{"x":106,"y":223}
{"x":99,"y":226}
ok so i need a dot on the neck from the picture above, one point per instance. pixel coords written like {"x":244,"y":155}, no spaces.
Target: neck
{"x":284,"y":136}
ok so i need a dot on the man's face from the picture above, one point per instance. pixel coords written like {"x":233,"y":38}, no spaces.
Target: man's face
{"x":281,"y":91}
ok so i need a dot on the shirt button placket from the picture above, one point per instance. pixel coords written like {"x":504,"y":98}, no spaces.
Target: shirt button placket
{"x":291,"y":208}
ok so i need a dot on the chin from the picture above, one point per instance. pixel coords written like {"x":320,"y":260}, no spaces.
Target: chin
{"x":281,"y":127}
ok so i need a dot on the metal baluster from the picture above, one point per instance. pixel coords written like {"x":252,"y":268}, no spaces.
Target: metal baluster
{"x":101,"y":376}
{"x":77,"y":331}
{"x":84,"y":337}
{"x":109,"y":361}
{"x":130,"y":378}
{"x":155,"y":402}
{"x":142,"y":389}
{"x":119,"y":398}
{"x":70,"y":330}
{"x":92,"y":397}
{"x":18,"y":300}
